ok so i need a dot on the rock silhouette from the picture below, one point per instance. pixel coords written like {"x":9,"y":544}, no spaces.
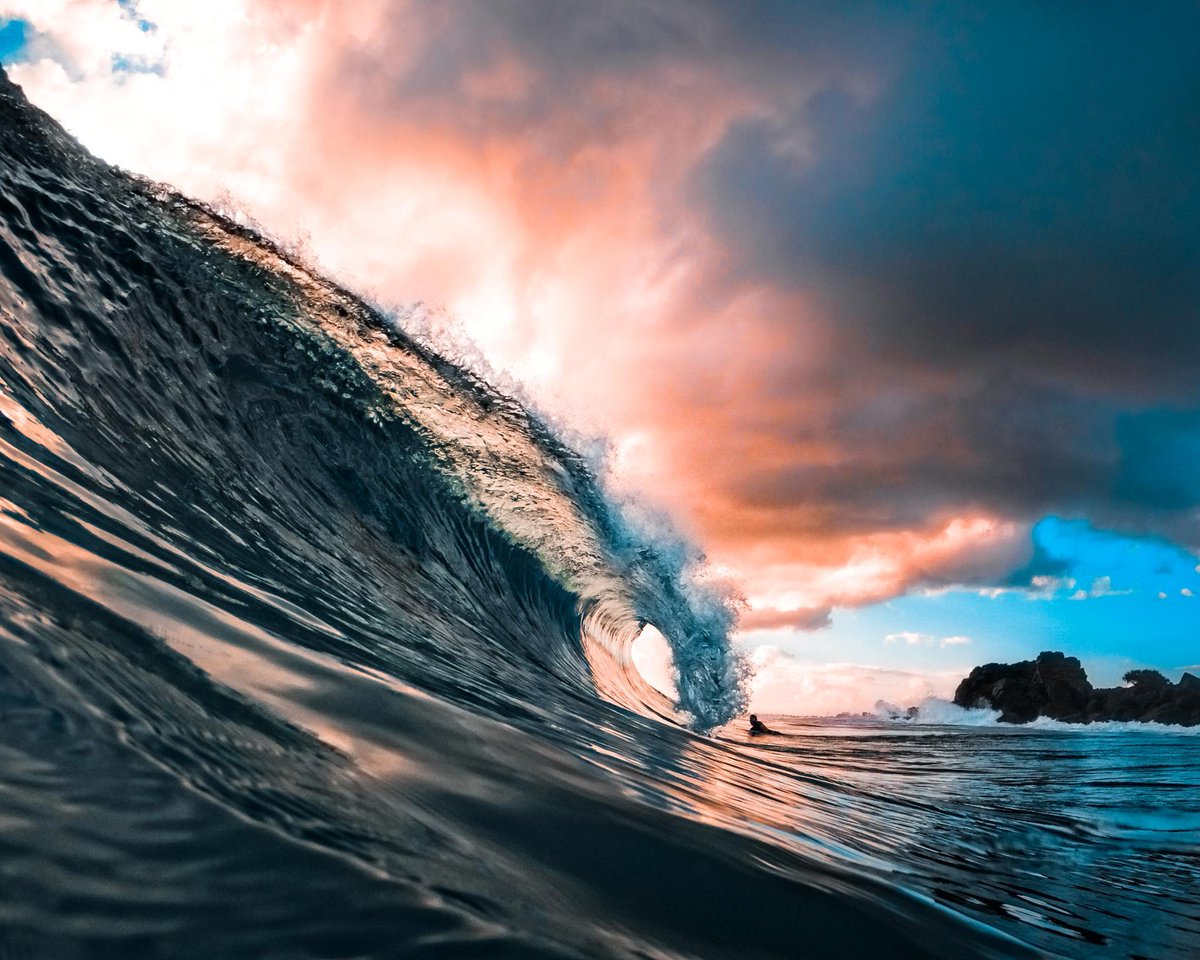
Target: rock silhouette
{"x":1056,"y":686}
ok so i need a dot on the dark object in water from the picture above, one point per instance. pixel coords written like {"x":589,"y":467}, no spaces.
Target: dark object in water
{"x":1056,"y":686}
{"x":758,"y":727}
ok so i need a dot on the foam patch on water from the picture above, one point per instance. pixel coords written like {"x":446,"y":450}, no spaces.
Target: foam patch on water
{"x":934,"y":710}
{"x":1113,"y":726}
{"x":937,"y":712}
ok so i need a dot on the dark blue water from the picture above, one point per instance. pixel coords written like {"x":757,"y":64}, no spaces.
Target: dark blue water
{"x":312,"y":645}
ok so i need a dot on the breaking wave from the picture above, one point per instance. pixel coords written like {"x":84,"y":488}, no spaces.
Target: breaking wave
{"x":937,"y":712}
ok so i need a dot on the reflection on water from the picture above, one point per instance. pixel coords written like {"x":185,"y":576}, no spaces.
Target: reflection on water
{"x":1089,"y":837}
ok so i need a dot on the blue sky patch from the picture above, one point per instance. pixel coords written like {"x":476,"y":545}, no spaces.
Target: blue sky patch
{"x":1117,"y":602}
{"x":12,"y":39}
{"x":130,"y":9}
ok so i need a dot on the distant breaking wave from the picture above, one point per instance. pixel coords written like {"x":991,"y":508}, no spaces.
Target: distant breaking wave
{"x":935,"y":711}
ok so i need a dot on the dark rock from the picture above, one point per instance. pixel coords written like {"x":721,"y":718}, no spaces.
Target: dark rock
{"x":1056,"y":686}
{"x":1064,"y":682}
{"x":1051,"y":685}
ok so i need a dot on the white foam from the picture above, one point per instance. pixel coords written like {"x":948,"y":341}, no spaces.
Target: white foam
{"x":944,"y":713}
{"x":1113,"y":726}
{"x":934,"y":710}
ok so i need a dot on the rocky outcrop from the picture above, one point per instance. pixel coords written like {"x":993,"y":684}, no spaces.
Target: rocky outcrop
{"x":1055,"y":685}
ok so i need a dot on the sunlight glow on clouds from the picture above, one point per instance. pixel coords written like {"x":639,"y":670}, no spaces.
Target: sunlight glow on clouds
{"x":822,"y":277}
{"x":787,"y":684}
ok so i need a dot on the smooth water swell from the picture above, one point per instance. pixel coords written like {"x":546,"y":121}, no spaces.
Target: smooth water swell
{"x":310,"y":645}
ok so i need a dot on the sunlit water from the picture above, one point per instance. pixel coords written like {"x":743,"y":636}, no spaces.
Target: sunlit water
{"x":313,"y":646}
{"x":1090,"y":836}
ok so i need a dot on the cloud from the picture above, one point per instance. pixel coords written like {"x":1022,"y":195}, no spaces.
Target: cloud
{"x":1044,"y":587}
{"x":912,"y":639}
{"x":955,"y":219}
{"x":1101,"y":587}
{"x":964,"y":239}
{"x":784,"y":683}
{"x":909,"y":637}
{"x":803,"y":618}
{"x":860,"y":294}
{"x":799,"y":569}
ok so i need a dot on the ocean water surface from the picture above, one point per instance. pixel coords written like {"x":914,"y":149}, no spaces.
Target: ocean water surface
{"x":314,"y":645}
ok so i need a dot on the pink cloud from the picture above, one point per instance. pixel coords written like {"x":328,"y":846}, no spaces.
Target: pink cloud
{"x":787,"y":684}
{"x":784,"y":683}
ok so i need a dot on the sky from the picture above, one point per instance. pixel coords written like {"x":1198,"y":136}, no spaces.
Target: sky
{"x":893,"y":307}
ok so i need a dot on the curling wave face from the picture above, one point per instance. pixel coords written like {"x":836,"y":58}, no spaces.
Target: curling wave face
{"x":312,"y":645}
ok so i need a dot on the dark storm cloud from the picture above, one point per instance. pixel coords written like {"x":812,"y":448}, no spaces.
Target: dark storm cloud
{"x":1007,"y":196}
{"x":1004,"y":443}
{"x":1016,"y":207}
{"x":1026,"y":189}
{"x":570,"y":47}
{"x":562,"y":46}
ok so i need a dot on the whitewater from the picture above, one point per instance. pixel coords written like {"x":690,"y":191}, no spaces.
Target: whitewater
{"x":315,"y":645}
